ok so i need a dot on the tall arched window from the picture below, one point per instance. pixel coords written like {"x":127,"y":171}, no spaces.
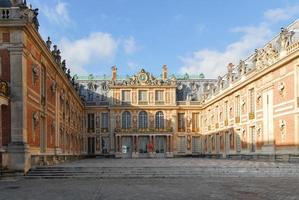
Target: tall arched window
{"x":159,"y":119}
{"x":142,"y":119}
{"x":126,"y":120}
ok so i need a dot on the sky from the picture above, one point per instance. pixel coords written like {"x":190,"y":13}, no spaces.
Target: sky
{"x":189,"y":36}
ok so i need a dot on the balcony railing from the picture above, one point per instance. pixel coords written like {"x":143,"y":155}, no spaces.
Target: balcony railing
{"x":104,"y":130}
{"x":251,"y":115}
{"x":237,"y":119}
{"x":143,"y":103}
{"x":159,"y":102}
{"x":143,"y":130}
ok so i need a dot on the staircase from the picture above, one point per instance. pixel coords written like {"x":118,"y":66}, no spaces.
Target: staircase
{"x":62,"y":172}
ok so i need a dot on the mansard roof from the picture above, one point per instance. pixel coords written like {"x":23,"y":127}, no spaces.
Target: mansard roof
{"x":5,"y":3}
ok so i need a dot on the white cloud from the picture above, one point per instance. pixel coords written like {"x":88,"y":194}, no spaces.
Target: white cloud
{"x":132,"y":66}
{"x":213,"y":63}
{"x":130,"y":45}
{"x":58,"y":15}
{"x":280,"y":14}
{"x":96,"y":47}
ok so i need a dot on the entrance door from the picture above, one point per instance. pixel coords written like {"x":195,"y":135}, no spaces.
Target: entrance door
{"x":252,"y":140}
{"x":105,"y":145}
{"x":196,"y":145}
{"x":43,"y":141}
{"x":181,"y":144}
{"x":143,"y":144}
{"x":160,"y":146}
{"x":217,"y":143}
{"x":268,"y":117}
{"x":91,"y":145}
{"x":227,"y":144}
{"x":126,"y":146}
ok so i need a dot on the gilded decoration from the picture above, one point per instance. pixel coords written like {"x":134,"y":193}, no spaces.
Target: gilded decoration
{"x":145,"y":78}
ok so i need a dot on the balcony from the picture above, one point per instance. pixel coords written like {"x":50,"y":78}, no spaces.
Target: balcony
{"x":251,"y":116}
{"x":143,"y":103}
{"x":159,"y":103}
{"x":144,"y":130}
{"x":90,"y":130}
{"x":104,"y":130}
{"x":10,"y":13}
{"x":226,"y":122}
{"x":181,"y":129}
{"x":237,"y":119}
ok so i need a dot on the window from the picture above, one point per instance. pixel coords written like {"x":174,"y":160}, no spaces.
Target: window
{"x":226,"y":113}
{"x":43,"y":86}
{"x":142,"y":119}
{"x":181,"y":122}
{"x":159,"y":120}
{"x":126,"y":96}
{"x":104,"y":121}
{"x":90,"y":122}
{"x":237,"y":109}
{"x":126,"y":120}
{"x":159,"y":95}
{"x":103,"y":97}
{"x":195,"y":122}
{"x":142,"y":95}
{"x":251,"y":99}
{"x":90,"y":96}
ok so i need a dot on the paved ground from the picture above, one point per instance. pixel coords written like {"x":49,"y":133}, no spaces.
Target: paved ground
{"x":157,"y":188}
{"x":170,"y":162}
{"x":152,"y":189}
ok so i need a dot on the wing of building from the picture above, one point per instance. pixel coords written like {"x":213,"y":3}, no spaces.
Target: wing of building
{"x":48,"y":116}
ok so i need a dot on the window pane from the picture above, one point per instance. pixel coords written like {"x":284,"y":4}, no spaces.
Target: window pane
{"x":104,"y":120}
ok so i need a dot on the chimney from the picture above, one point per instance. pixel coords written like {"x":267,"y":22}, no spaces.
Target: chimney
{"x":164,"y":72}
{"x":114,"y":73}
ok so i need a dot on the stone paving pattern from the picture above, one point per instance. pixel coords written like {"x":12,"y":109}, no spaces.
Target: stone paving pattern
{"x":173,"y":162}
{"x":154,"y":189}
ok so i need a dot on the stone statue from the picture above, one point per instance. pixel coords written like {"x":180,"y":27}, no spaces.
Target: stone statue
{"x":285,"y":38}
{"x":230,"y":72}
{"x":49,"y":43}
{"x":242,"y":67}
{"x":258,"y":59}
{"x":68,"y":74}
{"x":35,"y":19}
{"x":271,"y":54}
{"x":219,"y":82}
{"x":63,"y":65}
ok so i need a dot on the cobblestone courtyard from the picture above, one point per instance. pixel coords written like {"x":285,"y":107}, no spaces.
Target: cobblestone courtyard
{"x":154,"y":188}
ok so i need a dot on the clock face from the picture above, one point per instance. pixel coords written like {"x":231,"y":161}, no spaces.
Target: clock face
{"x":142,"y":77}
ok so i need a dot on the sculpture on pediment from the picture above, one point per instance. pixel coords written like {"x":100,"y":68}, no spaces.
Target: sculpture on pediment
{"x":285,"y":38}
{"x":258,"y":58}
{"x":271,"y":54}
{"x":220,"y":82}
{"x":145,"y":78}
{"x":242,"y":67}
{"x":230,"y":72}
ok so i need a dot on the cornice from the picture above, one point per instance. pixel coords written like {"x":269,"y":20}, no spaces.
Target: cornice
{"x":48,"y":55}
{"x":253,"y":76}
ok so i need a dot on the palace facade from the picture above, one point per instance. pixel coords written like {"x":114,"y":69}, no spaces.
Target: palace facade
{"x":48,"y":116}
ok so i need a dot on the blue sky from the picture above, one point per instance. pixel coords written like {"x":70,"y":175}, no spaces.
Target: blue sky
{"x":189,"y":36}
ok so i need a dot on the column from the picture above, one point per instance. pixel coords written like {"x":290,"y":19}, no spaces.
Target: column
{"x":18,"y":149}
{"x":167,"y":143}
{"x":171,"y":144}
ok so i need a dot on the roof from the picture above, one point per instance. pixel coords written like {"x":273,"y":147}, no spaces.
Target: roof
{"x":5,"y":3}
